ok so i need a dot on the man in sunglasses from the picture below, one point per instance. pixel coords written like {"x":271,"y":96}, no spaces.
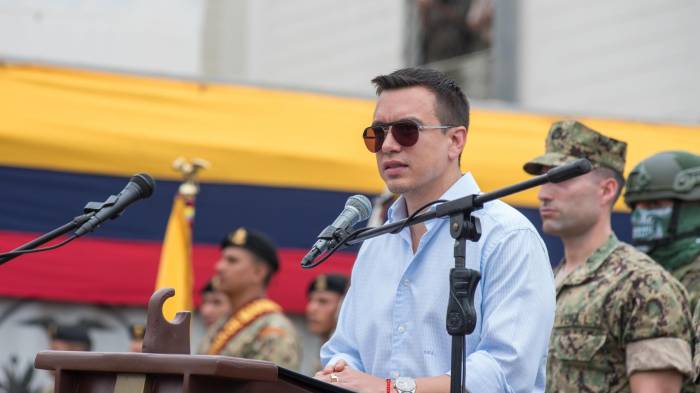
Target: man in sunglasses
{"x":391,"y":331}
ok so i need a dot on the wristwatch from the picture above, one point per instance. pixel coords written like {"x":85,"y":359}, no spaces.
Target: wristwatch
{"x":405,"y":385}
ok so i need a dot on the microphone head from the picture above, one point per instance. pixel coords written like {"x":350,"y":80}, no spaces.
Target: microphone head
{"x":362,"y":204}
{"x":145,"y":183}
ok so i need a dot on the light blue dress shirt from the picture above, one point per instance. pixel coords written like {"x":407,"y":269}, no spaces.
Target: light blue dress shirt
{"x":392,"y":322}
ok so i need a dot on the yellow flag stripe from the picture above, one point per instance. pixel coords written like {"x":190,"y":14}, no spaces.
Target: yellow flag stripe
{"x":92,"y":122}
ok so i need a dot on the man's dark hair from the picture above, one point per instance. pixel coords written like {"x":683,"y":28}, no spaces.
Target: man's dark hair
{"x":452,"y":107}
{"x":208,"y":287}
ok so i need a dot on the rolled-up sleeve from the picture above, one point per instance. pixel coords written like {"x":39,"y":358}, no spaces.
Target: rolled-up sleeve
{"x":517,"y":316}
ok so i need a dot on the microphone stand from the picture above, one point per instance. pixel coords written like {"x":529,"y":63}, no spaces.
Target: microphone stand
{"x":90,"y":209}
{"x":63,"y":229}
{"x":461,"y":314}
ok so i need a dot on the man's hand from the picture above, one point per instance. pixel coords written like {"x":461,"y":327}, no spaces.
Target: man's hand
{"x":342,"y":375}
{"x":339,"y":366}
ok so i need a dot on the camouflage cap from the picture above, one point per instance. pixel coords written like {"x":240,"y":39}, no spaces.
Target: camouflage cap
{"x":570,"y":140}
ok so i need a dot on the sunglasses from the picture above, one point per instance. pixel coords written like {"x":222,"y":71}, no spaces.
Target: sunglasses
{"x":405,"y":133}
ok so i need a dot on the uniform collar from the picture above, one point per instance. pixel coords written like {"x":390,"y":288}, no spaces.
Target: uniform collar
{"x":592,"y":264}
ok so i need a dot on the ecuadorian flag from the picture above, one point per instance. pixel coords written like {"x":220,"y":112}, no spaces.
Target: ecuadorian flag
{"x":282,"y":162}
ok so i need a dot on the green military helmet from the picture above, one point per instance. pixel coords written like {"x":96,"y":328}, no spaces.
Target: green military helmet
{"x":667,"y":175}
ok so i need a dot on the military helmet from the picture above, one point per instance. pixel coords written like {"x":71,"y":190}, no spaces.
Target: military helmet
{"x":667,"y":175}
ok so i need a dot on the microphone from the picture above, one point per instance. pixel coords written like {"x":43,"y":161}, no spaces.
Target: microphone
{"x":357,"y":208}
{"x":140,"y":186}
{"x":565,"y":172}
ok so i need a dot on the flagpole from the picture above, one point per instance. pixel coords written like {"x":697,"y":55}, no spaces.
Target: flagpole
{"x":175,"y":269}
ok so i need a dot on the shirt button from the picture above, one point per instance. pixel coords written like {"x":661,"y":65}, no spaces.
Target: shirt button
{"x":402,"y":329}
{"x":406,"y":282}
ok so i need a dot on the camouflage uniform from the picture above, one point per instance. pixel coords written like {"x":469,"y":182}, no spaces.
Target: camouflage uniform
{"x":689,"y":276}
{"x":696,"y":352}
{"x":268,"y":337}
{"x":670,"y":231}
{"x":672,"y":176}
{"x":619,"y":312}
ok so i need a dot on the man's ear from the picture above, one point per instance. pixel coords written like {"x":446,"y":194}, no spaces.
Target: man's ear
{"x":458,"y":138}
{"x":608,"y":190}
{"x":260,"y":270}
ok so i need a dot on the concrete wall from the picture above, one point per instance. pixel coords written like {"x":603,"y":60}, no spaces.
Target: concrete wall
{"x":629,"y":58}
{"x":157,"y":36}
{"x":310,"y":44}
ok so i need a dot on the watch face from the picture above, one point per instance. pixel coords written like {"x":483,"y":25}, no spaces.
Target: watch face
{"x":404,"y":384}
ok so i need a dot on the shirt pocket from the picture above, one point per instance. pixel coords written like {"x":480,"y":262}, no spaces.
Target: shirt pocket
{"x":577,"y":345}
{"x":578,"y":361}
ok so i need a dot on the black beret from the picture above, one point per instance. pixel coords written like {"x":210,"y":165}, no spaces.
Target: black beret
{"x":255,"y":242}
{"x":208,"y":287}
{"x":329,"y":282}
{"x":71,"y":333}
{"x":74,"y":333}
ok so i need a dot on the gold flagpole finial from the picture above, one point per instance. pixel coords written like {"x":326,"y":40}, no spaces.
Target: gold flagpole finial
{"x":189,"y":171}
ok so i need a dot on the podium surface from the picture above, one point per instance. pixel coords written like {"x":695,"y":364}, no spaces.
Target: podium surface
{"x":122,"y":372}
{"x":167,"y":367}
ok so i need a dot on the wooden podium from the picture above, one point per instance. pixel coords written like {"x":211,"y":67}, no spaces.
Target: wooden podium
{"x":166,"y":366}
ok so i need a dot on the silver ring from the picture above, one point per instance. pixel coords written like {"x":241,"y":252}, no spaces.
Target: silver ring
{"x":334,"y":378}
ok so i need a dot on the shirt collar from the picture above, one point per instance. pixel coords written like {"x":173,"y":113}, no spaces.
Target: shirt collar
{"x":585,"y":271}
{"x":465,"y":185}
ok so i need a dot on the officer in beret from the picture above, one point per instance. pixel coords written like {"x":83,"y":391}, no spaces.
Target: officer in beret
{"x":137,"y":332}
{"x":65,"y":337}
{"x":325,"y":294}
{"x":214,"y":304}
{"x":256,"y":328}
{"x":622,"y":322}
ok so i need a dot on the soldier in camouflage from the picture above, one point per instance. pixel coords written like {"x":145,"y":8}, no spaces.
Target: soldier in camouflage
{"x":622,"y":322}
{"x":663,"y":192}
{"x":257,"y":328}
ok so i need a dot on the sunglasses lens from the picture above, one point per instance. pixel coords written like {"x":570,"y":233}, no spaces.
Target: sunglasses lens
{"x":374,"y":138}
{"x":406,"y":134}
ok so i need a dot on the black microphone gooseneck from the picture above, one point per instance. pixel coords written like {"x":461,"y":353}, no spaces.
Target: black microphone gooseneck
{"x":140,"y":186}
{"x":461,"y":314}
